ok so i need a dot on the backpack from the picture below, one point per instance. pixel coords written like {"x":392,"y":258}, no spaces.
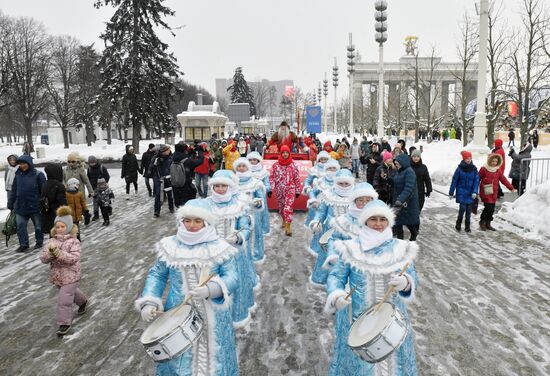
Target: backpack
{"x":177,"y":174}
{"x":10,"y":227}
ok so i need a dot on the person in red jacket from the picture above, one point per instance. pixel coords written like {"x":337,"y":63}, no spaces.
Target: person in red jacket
{"x":500,"y":151}
{"x":202,"y":170}
{"x":285,"y":182}
{"x":489,"y":177}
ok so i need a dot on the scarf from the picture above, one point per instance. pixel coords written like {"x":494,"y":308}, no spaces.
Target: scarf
{"x":343,"y":191}
{"x":283,"y":161}
{"x":256,"y":168}
{"x":204,"y":235}
{"x":491,"y":168}
{"x":329,"y":175}
{"x":371,"y":238}
{"x":244,"y":176}
{"x":354,"y":211}
{"x":220,"y":199}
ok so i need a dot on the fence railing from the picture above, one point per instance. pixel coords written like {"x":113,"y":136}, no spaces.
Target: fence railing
{"x":535,"y":171}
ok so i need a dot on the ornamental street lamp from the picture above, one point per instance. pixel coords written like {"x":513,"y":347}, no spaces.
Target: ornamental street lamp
{"x":319,"y":93}
{"x":351,"y":69}
{"x":325,"y":93}
{"x":381,"y":36}
{"x":335,"y":84}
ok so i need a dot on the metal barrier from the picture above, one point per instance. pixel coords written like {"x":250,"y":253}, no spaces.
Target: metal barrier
{"x":536,"y":170}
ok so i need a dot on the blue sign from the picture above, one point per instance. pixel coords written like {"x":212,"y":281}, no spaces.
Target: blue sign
{"x":313,"y":119}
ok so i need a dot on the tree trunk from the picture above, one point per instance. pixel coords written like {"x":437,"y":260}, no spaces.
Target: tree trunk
{"x":89,"y":133}
{"x":65,"y":132}
{"x":109,"y":138}
{"x":136,"y":133}
{"x":28,"y":132}
{"x":491,"y":133}
{"x":120,"y":134}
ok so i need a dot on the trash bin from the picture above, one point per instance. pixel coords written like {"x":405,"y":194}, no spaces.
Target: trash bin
{"x":40,"y":152}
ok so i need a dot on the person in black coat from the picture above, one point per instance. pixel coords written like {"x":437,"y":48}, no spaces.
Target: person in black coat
{"x":190,"y":159}
{"x":405,"y":198}
{"x":375,"y":159}
{"x":145,"y":162}
{"x":130,"y":169}
{"x":423,"y":180}
{"x":96,"y":171}
{"x":53,"y":195}
{"x":159,"y":169}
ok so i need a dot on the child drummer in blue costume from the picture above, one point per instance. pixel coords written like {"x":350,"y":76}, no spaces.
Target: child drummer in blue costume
{"x":260,"y":173}
{"x":334,"y":202}
{"x":315,"y":173}
{"x":323,"y":184}
{"x":234,"y":226}
{"x":371,"y":263}
{"x":253,"y":192}
{"x":196,"y":250}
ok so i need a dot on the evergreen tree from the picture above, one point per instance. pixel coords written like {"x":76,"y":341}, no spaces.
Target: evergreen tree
{"x":240,"y":91}
{"x":138,"y":73}
{"x":88,"y":94}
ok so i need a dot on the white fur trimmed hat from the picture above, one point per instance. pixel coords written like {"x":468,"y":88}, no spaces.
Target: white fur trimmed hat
{"x":225,"y":177}
{"x":344,"y":175}
{"x":241,"y":161}
{"x":197,"y":208}
{"x":377,"y":208}
{"x":254,"y":155}
{"x":322,"y":154}
{"x":332,"y":163}
{"x":364,"y":189}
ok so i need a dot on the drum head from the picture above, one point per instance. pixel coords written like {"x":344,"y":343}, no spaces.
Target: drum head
{"x":165,"y":323}
{"x":369,"y":325}
{"x":326,"y":236}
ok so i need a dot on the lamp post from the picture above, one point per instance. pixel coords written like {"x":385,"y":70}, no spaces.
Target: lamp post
{"x":480,"y":119}
{"x":381,"y":36}
{"x":319,"y":94}
{"x":351,"y":69}
{"x":325,"y":93}
{"x":335,"y":84}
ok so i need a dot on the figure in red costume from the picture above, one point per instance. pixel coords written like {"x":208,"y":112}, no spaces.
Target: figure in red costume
{"x":285,"y":183}
{"x":284,"y":136}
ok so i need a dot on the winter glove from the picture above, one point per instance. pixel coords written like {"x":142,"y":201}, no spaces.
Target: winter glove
{"x":234,"y":239}
{"x":316,"y":227}
{"x":342,"y":303}
{"x":451,"y":197}
{"x":428,"y":194}
{"x":400,"y":282}
{"x":200,"y":292}
{"x":474,"y":195}
{"x":398,"y":204}
{"x":54,"y":252}
{"x":269,"y":194}
{"x":149,"y":312}
{"x":297,"y":195}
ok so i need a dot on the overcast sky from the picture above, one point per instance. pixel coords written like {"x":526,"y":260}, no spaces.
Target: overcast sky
{"x":283,"y":39}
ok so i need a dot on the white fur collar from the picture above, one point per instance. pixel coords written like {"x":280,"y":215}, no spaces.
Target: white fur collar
{"x":251,"y":185}
{"x":233,"y":209}
{"x":333,"y":199}
{"x":260,"y":175}
{"x":315,"y":172}
{"x":390,"y":260}
{"x":176,"y":254}
{"x":344,"y":225}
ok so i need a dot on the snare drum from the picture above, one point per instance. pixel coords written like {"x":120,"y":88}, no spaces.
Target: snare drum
{"x":172,"y":333}
{"x":376,"y":335}
{"x":323,"y":240}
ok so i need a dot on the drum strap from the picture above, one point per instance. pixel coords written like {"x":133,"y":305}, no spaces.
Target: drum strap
{"x":385,"y":367}
{"x":201,"y":353}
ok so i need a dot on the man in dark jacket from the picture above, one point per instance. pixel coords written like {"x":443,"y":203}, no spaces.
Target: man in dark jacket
{"x":53,"y":194}
{"x":423,"y":180}
{"x":385,"y":145}
{"x":186,"y":156}
{"x":405,"y":196}
{"x":24,"y":198}
{"x":374,"y":160}
{"x":159,"y":169}
{"x":96,"y":171}
{"x":145,"y":162}
{"x":511,"y":137}
{"x":130,"y":169}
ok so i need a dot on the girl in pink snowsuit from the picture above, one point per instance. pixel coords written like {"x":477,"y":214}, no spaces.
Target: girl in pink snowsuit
{"x":285,"y":182}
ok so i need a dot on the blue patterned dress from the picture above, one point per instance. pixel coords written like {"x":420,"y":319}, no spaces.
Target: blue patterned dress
{"x":321,"y":185}
{"x":263,"y":176}
{"x":251,"y":189}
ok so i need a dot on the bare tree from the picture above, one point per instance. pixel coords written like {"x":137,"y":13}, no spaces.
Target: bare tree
{"x":467,"y":50}
{"x":528,"y":57}
{"x":6,"y":77}
{"x":260,"y":90}
{"x":29,"y":63}
{"x":62,"y":85}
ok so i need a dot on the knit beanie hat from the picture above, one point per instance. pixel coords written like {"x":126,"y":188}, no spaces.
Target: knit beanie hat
{"x":416,"y":153}
{"x":92,"y":159}
{"x":386,"y":155}
{"x":64,"y":214}
{"x":73,"y":185}
{"x":466,"y":154}
{"x":163,"y":147}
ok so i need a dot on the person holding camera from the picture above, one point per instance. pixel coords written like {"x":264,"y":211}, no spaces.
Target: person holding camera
{"x":159,"y":170}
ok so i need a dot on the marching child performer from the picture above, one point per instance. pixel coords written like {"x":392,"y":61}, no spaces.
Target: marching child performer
{"x":254,"y":193}
{"x":194,"y":252}
{"x":315,"y":173}
{"x":260,"y":173}
{"x":370,"y":263}
{"x":234,"y":225}
{"x":334,"y":202}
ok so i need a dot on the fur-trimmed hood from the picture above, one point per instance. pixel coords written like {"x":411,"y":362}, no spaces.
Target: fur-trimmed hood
{"x":176,"y":254}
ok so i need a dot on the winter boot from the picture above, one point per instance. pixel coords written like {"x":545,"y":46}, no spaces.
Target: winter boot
{"x":458,"y":224}
{"x":288,"y":229}
{"x":482,"y":225}
{"x":489,"y":227}
{"x":106,"y":222}
{"x":95,"y":217}
{"x":82,"y":308}
{"x":467,"y":227}
{"x":63,"y":329}
{"x":127,"y":196}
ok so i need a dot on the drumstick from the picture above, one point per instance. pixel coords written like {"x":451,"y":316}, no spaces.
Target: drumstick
{"x":390,"y":290}
{"x":349,"y":294}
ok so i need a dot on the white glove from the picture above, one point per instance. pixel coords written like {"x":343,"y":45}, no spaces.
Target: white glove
{"x":233,"y":239}
{"x":474,"y":195}
{"x":451,"y":197}
{"x":200,"y":292}
{"x":342,"y":303}
{"x":400,"y":282}
{"x":316,"y":227}
{"x":148,"y":312}
{"x":315,"y":204}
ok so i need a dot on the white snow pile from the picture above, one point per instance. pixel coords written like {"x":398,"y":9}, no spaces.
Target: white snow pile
{"x":531,"y":211}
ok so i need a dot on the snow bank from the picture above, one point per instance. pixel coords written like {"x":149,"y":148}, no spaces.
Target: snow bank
{"x":531,"y":211}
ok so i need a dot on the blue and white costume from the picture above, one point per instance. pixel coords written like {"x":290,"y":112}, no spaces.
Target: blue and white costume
{"x":182,"y":260}
{"x":346,"y":226}
{"x":260,"y":173}
{"x":320,"y":185}
{"x":314,"y":173}
{"x":334,"y":203}
{"x":234,"y":224}
{"x":366,"y":263}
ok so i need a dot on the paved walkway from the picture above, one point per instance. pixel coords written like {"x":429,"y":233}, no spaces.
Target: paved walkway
{"x":482,"y":307}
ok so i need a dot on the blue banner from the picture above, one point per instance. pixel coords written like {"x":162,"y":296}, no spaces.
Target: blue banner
{"x":313,"y":119}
